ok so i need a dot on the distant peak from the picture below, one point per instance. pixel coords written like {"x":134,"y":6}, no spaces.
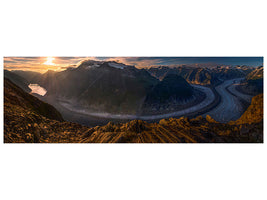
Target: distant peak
{"x":50,"y":71}
{"x":87,"y":64}
{"x":117,"y":65}
{"x":91,"y":62}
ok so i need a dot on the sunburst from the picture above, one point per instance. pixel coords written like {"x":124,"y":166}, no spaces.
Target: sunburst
{"x":49,"y":61}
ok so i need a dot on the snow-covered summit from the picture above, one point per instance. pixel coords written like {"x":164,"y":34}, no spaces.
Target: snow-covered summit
{"x":117,"y":65}
{"x":88,"y":64}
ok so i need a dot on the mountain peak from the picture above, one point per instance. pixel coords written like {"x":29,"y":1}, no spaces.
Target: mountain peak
{"x":87,"y":64}
{"x":50,"y":71}
{"x":117,"y":65}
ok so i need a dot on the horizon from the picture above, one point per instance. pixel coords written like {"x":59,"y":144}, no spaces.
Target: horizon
{"x":43,"y":64}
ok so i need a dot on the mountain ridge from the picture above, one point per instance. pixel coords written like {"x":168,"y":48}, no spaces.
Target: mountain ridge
{"x":201,"y":75}
{"x":99,"y":86}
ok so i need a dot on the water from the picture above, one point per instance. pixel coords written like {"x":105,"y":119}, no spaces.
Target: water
{"x":37,"y":89}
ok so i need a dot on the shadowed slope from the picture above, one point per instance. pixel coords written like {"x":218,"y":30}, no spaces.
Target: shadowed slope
{"x":18,"y":80}
{"x":13,"y":95}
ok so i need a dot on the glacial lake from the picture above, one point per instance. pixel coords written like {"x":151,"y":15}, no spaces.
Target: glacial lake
{"x":37,"y":89}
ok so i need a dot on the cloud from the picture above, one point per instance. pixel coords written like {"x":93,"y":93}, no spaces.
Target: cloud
{"x":62,"y":63}
{"x":136,"y":61}
{"x":37,"y":63}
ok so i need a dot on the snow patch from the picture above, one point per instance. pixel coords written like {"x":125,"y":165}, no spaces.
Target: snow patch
{"x":117,"y":65}
{"x":92,"y":66}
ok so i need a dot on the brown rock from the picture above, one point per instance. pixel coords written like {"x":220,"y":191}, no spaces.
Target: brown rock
{"x":209,"y":119}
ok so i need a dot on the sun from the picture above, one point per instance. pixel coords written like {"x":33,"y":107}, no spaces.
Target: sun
{"x":49,"y":61}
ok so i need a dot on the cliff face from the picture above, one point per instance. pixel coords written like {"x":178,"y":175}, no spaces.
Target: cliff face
{"x":24,"y":121}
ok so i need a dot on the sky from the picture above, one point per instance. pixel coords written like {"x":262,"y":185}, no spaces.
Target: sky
{"x":42,"y":64}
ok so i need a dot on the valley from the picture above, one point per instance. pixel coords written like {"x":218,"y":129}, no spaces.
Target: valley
{"x":74,"y":113}
{"x":108,"y":101}
{"x":29,"y":120}
{"x":229,"y":108}
{"x":96,"y":93}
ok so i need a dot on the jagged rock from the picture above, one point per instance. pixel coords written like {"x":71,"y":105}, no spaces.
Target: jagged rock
{"x":29,"y":138}
{"x":37,"y":135}
{"x":109,"y":127}
{"x":199,"y":118}
{"x":209,"y":119}
{"x":136,"y":126}
{"x":89,"y":132}
{"x":163,"y":121}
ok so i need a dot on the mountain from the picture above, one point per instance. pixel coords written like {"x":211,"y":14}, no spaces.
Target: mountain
{"x":225,"y":73}
{"x":192,"y":75}
{"x":201,"y":75}
{"x":256,"y":74}
{"x":116,"y":90}
{"x":26,"y":122}
{"x":18,"y":80}
{"x":171,"y":87}
{"x":30,"y":76}
{"x":173,"y":93}
{"x":253,"y":83}
{"x":101,"y":87}
{"x":110,"y":87}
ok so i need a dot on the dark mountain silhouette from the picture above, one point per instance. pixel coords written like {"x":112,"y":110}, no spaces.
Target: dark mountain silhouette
{"x":30,"y":76}
{"x":171,"y":87}
{"x":18,"y":80}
